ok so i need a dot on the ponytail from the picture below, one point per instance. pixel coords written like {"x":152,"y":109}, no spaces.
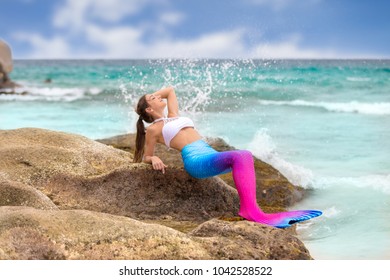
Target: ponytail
{"x":140,"y":138}
{"x":139,"y":141}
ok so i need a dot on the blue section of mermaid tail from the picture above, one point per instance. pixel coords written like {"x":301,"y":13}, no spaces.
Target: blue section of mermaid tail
{"x":281,"y":219}
{"x":202,"y":161}
{"x":287,"y":219}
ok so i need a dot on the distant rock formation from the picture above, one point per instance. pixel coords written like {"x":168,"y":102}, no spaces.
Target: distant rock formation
{"x":6,"y":66}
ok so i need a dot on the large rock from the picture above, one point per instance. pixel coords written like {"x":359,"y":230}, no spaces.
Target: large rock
{"x":274,"y":191}
{"x":5,"y":57}
{"x":17,"y":194}
{"x":6,"y":66}
{"x":78,"y":173}
{"x":69,"y":176}
{"x":244,"y":240}
{"x":142,"y":193}
{"x":27,"y":233}
{"x":32,"y":156}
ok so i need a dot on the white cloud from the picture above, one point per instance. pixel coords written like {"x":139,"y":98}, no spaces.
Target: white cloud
{"x":117,"y":42}
{"x":56,"y":47}
{"x":115,"y":10}
{"x":86,"y":19}
{"x":71,"y":15}
{"x":172,"y":18}
{"x":126,"y":42}
{"x":76,"y":13}
{"x":278,"y":5}
{"x":212,"y":45}
{"x":274,"y":4}
{"x":290,"y":48}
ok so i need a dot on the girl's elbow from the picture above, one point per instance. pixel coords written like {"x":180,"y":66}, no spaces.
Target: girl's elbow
{"x":171,"y":89}
{"x":147,"y":159}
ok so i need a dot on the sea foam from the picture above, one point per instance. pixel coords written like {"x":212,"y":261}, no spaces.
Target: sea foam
{"x":375,"y":182}
{"x":49,"y":94}
{"x":264,"y":148}
{"x":377,"y":108}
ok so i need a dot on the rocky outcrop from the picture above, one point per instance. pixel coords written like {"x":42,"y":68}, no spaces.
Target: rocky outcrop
{"x":27,"y":233}
{"x":78,"y":173}
{"x":142,"y":193}
{"x":6,"y":66}
{"x":5,"y":57}
{"x":237,"y":240}
{"x":17,"y":194}
{"x":64,"y":196}
{"x":274,"y":191}
{"x":33,"y":156}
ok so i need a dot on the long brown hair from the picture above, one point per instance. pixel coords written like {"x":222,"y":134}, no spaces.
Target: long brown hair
{"x":140,"y":138}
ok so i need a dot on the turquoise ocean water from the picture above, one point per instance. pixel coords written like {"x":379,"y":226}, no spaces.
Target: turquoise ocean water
{"x":325,"y":124}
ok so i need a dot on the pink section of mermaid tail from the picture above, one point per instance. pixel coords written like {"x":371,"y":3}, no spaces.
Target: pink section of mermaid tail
{"x":201,"y":161}
{"x":246,"y":187}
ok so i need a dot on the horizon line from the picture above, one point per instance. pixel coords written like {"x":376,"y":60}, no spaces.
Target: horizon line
{"x":210,"y":58}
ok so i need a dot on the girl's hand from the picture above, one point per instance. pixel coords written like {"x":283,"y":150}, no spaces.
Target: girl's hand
{"x":158,"y":164}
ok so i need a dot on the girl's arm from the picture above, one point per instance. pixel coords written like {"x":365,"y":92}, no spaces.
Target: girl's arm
{"x":149,"y":156}
{"x":169,"y":94}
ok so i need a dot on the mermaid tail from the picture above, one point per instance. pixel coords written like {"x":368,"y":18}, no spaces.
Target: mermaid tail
{"x":202,"y":161}
{"x":281,"y":219}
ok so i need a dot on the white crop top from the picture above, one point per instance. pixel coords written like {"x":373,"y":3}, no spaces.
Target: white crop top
{"x":172,"y":126}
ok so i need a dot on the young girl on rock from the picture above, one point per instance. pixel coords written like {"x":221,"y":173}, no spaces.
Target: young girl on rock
{"x":201,"y":160}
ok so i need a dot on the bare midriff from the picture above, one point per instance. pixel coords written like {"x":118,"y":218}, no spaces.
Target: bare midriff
{"x":185,"y":136}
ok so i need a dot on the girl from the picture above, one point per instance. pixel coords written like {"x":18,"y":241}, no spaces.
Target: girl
{"x":200,"y":160}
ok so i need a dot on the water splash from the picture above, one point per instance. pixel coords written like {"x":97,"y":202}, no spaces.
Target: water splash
{"x":201,"y":85}
{"x":264,"y":148}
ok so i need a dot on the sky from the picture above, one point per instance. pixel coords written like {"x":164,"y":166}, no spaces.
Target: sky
{"x":143,"y":29}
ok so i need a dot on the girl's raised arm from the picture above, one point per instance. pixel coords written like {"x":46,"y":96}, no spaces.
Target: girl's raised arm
{"x":169,"y":94}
